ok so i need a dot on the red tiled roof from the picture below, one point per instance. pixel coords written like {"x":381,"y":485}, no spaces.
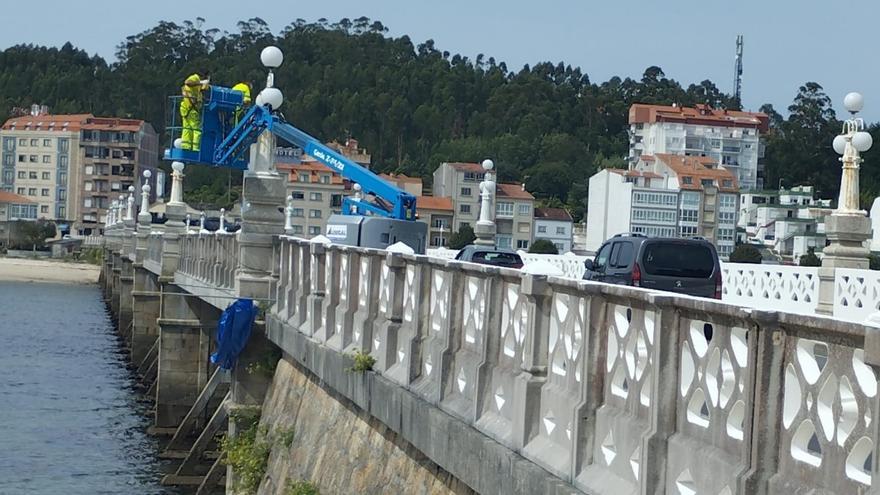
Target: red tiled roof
{"x":75,"y":122}
{"x":701,"y":114}
{"x":559,"y":214}
{"x":47,"y":122}
{"x":698,"y":167}
{"x":314,"y":169}
{"x":513,"y":191}
{"x":12,"y":198}
{"x":637,"y":173}
{"x":434,"y":203}
{"x":401,"y":178}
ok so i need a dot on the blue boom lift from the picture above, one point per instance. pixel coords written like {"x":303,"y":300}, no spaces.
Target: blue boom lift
{"x":388,"y":218}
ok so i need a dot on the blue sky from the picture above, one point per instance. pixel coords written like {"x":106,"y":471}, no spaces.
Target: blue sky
{"x":787,"y":42}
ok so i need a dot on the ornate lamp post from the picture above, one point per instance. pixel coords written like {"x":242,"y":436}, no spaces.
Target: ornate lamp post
{"x":848,"y":227}
{"x":485,"y":229}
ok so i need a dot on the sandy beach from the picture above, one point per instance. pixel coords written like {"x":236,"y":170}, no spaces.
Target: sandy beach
{"x":29,"y":270}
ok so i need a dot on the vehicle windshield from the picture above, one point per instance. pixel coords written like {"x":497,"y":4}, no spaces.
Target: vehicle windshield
{"x":496,"y":258}
{"x":679,"y":260}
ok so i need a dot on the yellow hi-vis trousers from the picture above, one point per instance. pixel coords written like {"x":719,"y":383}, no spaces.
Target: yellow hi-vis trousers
{"x":191,"y":119}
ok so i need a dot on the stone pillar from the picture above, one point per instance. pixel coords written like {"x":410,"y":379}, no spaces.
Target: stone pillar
{"x":261,"y":220}
{"x":185,"y":328}
{"x":527,"y":384}
{"x":485,"y":228}
{"x":847,"y":234}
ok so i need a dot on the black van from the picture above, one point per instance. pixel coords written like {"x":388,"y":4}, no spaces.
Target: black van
{"x":686,"y":266}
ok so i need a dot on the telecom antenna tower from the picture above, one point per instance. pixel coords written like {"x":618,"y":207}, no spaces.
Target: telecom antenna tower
{"x":738,"y":70}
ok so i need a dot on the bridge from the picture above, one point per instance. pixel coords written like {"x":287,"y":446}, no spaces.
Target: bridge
{"x":492,"y":380}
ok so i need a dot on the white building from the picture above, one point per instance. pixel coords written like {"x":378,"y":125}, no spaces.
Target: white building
{"x":554,"y":225}
{"x":730,"y":138}
{"x":664,"y":196}
{"x":789,"y":221}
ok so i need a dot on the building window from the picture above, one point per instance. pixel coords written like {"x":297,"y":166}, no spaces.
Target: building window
{"x":44,"y":209}
{"x":44,"y":192}
{"x":503,"y":241}
{"x":22,"y":142}
{"x":22,"y":158}
{"x":62,"y":177}
{"x":465,"y":191}
{"x":315,"y":196}
{"x":727,"y":201}
{"x":438,"y":223}
{"x":523,"y":227}
{"x":641,"y":215}
{"x":542,"y":229}
{"x":32,"y":175}
{"x":725,"y":234}
{"x":462,"y":225}
{"x":522,"y":244}
{"x":63,"y":145}
{"x":62,"y":162}
{"x":22,"y":174}
{"x":297,"y":229}
{"x":689,"y":216}
{"x":560,"y":230}
{"x":687,"y":180}
{"x":325,"y":178}
{"x":47,"y":159}
{"x":524,"y":209}
{"x":464,"y":209}
{"x":504,"y":209}
{"x":335,"y":201}
{"x":687,"y":231}
{"x":62,"y":212}
{"x":297,"y":195}
{"x":32,"y":191}
{"x":35,"y":142}
{"x":298,"y":212}
{"x":726,"y":217}
{"x":314,"y":213}
{"x":707,"y":182}
{"x":47,"y":175}
{"x":47,"y":143}
{"x":474,"y":177}
{"x":655,"y":198}
{"x":314,"y":230}
{"x":9,"y":160}
{"x":438,"y":240}
{"x":727,"y":183}
{"x":304,"y":177}
{"x":62,"y":194}
{"x":20,"y":191}
{"x":33,"y":158}
{"x":87,"y":203}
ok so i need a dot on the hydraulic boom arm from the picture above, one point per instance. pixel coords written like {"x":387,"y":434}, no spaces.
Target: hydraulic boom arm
{"x":394,"y":203}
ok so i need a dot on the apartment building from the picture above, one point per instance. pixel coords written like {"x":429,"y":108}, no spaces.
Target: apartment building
{"x":461,"y":183}
{"x":317,"y":193}
{"x":789,"y":221}
{"x":439,"y":214}
{"x":514,"y":216}
{"x":73,"y":166}
{"x":554,"y":225}
{"x":665,"y":196}
{"x":731,"y":138}
{"x":412,"y":185}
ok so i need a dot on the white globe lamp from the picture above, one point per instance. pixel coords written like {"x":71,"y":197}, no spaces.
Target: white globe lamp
{"x":853,"y":102}
{"x":839,"y":144}
{"x":147,"y":174}
{"x":178,"y":143}
{"x":177,"y":166}
{"x":271,"y":97}
{"x":488,"y":165}
{"x":862,"y":141}
{"x":272,"y":57}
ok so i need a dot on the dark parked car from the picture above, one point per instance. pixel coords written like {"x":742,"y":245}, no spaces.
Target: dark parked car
{"x":686,"y":266}
{"x":488,"y":255}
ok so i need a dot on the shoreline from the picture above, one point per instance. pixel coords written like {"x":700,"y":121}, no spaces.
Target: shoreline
{"x":47,"y":271}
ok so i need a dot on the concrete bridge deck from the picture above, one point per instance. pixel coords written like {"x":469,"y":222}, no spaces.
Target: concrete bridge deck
{"x":519,"y":383}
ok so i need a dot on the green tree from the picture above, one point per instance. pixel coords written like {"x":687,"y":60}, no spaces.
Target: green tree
{"x":462,"y":238}
{"x":745,"y":253}
{"x":32,"y":234}
{"x":810,"y":259}
{"x":543,"y":246}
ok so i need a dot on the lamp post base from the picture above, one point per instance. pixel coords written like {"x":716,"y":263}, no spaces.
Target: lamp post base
{"x":847,"y":234}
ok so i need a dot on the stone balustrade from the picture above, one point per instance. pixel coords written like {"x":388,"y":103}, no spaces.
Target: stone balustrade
{"x":613,"y":389}
{"x":154,"y":252}
{"x":210,"y":258}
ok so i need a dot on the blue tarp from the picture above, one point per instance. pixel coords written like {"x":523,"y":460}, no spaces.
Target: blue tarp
{"x":233,"y":331}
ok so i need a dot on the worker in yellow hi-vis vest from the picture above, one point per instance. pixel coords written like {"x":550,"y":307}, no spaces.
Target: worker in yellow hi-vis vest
{"x":191,"y":110}
{"x":245,"y":88}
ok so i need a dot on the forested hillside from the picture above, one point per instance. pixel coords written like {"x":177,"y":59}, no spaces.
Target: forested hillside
{"x":412,"y":104}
